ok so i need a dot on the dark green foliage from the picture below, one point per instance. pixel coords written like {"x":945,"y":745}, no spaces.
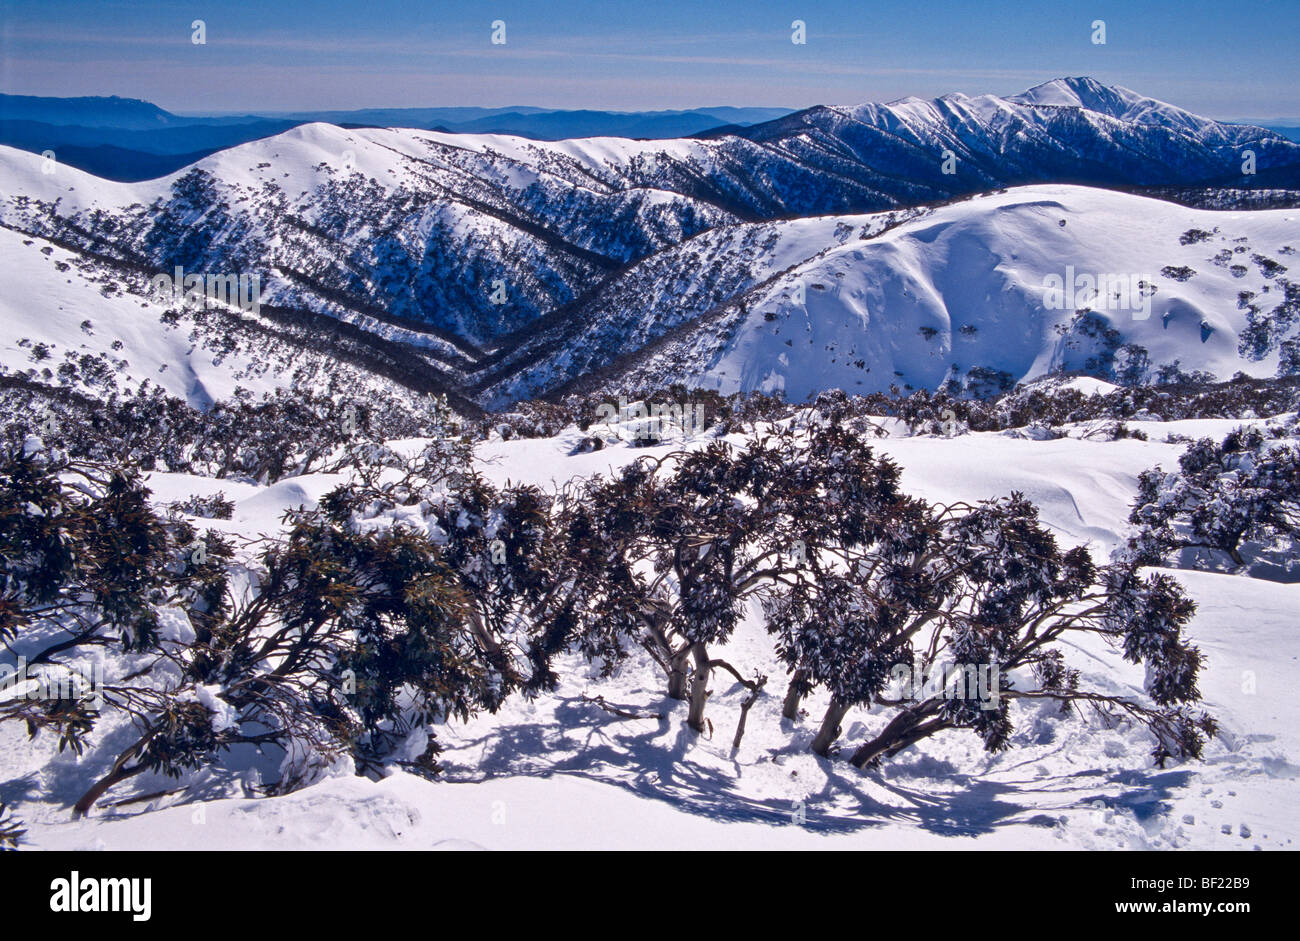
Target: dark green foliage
{"x":420,"y":593}
{"x":80,"y":549}
{"x":981,"y":590}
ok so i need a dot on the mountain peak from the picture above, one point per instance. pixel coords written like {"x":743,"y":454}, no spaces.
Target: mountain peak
{"x":1115,"y":101}
{"x":1082,"y":92}
{"x":1079,"y":91}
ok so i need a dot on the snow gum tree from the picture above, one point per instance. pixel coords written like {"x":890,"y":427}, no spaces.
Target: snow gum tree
{"x":981,"y":594}
{"x":82,"y":557}
{"x":418,"y":592}
{"x":671,"y":550}
{"x":1246,"y":487}
{"x":407,"y":597}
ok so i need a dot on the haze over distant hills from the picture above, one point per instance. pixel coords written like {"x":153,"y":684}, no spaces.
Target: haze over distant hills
{"x":128,"y":139}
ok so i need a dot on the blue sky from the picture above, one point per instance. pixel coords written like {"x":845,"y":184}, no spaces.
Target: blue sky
{"x":1222,"y":58}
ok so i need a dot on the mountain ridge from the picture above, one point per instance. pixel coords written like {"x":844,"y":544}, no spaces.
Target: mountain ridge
{"x":516,"y":267}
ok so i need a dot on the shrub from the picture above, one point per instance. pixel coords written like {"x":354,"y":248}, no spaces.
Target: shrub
{"x":985,"y":594}
{"x":10,"y":830}
{"x":1246,"y":487}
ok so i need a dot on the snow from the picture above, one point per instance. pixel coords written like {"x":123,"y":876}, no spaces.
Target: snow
{"x":1114,"y":101}
{"x":270,"y":503}
{"x":1089,"y":386}
{"x":965,"y":286}
{"x":562,"y":773}
{"x":224,"y":715}
{"x":48,"y":305}
{"x":595,"y":153}
{"x":955,"y":288}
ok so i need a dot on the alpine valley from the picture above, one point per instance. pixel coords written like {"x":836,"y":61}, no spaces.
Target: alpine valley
{"x":438,"y":487}
{"x":854,"y":247}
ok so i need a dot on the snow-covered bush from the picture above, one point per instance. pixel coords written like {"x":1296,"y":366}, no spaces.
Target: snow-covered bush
{"x":405,"y":598}
{"x":982,"y":595}
{"x":215,"y":506}
{"x":1236,"y":501}
{"x":418,"y":592}
{"x":11,"y":832}
{"x":856,"y":579}
{"x":282,"y":434}
{"x":667,"y":553}
{"x":83,"y":557}
{"x":394,"y":605}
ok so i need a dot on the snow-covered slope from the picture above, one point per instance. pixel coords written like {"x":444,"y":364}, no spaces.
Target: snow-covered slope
{"x":496,"y":255}
{"x":1122,"y":104}
{"x":409,"y":226}
{"x":961,"y":293}
{"x":55,"y":314}
{"x":89,"y":324}
{"x":913,"y":297}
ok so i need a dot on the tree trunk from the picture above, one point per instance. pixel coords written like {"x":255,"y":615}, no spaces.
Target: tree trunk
{"x":900,"y":725}
{"x":677,"y":671}
{"x":790,"y":708}
{"x":699,"y":687}
{"x":117,"y":775}
{"x":830,"y":729}
{"x":905,"y":730}
{"x":744,"y":713}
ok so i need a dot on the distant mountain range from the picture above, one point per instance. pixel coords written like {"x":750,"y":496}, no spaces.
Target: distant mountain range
{"x":127,"y":139}
{"x":835,"y":246}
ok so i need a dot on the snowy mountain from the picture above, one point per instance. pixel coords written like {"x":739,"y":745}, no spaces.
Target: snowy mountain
{"x":260,"y":580}
{"x":505,"y":267}
{"x":130,"y":140}
{"x":954,"y":295}
{"x":415,"y":226}
{"x":1068,"y":130}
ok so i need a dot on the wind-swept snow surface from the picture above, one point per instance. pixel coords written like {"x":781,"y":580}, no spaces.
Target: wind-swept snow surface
{"x":963,"y":293}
